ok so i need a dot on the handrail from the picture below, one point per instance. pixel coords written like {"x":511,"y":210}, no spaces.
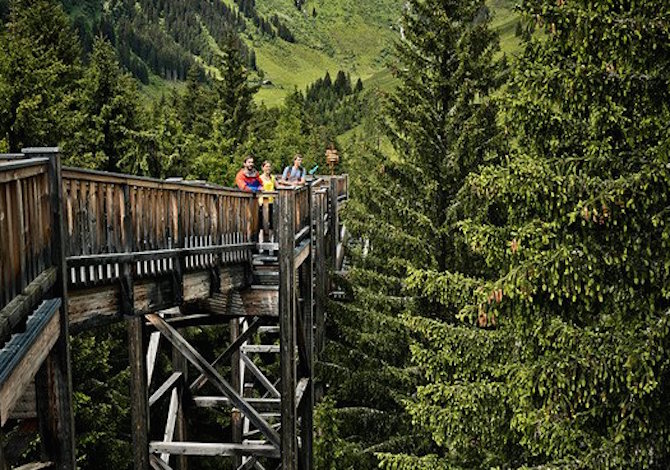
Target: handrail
{"x":153,"y":183}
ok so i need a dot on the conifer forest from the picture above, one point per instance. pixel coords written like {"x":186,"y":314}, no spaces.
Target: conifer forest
{"x":506,"y":297}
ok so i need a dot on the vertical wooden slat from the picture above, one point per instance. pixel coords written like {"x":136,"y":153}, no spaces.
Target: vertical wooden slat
{"x":287,"y":311}
{"x":109,"y":225}
{"x":179,"y":262}
{"x":92,"y":205}
{"x":4,"y":255}
{"x":29,"y":229}
{"x":23,"y":234}
{"x":12,"y":243}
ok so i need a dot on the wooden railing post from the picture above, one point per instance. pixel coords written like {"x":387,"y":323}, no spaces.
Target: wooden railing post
{"x":320,"y":272}
{"x":139,"y":398}
{"x":178,"y":242}
{"x":307,"y":294}
{"x":54,"y":379}
{"x":334,"y":229}
{"x":287,"y":325}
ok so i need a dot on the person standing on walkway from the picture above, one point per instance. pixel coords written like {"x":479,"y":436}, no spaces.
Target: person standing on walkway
{"x":269,"y":184}
{"x":247,"y":178}
{"x":294,"y":175}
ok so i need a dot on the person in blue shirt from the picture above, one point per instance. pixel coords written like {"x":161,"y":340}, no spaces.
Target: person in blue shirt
{"x":294,"y":175}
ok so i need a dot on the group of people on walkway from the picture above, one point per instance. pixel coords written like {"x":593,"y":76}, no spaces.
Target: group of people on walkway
{"x":248,"y":179}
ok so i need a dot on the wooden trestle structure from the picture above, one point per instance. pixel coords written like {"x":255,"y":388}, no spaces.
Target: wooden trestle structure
{"x":81,"y":248}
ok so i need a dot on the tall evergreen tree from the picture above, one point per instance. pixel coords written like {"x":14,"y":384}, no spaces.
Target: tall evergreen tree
{"x":234,"y":93}
{"x":39,"y":60}
{"x":108,"y":117}
{"x":572,"y":229}
{"x":442,"y":125}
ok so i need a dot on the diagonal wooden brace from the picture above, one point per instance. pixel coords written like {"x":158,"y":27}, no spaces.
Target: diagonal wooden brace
{"x":213,"y":376}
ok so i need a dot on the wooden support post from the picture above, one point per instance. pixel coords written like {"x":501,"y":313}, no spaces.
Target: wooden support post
{"x":180,"y":364}
{"x":287,"y":324}
{"x":54,"y":379}
{"x":127,"y":301}
{"x":178,"y":242}
{"x":236,"y":383}
{"x":320,"y":274}
{"x":139,"y":398}
{"x":307,"y":403}
{"x":334,"y":222}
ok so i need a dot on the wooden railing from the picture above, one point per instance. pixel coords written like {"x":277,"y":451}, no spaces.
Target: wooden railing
{"x":34,"y":336}
{"x":25,"y":231}
{"x":112,"y":219}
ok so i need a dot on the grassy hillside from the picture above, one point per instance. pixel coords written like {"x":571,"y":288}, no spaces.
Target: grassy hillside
{"x":351,"y":35}
{"x":356,"y":36}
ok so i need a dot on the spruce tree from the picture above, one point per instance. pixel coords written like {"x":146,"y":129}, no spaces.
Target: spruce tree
{"x":108,"y":116}
{"x":234,"y":93}
{"x":442,"y":125}
{"x":39,"y":61}
{"x":559,"y":357}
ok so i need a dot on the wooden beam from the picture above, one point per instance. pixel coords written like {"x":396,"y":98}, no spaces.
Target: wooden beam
{"x":260,"y":348}
{"x":213,"y":376}
{"x":158,"y":464}
{"x":214,"y":449}
{"x":138,"y":393}
{"x":35,"y":466}
{"x":302,"y":252}
{"x":236,"y":380}
{"x":306,"y":333}
{"x":320,"y":273}
{"x":253,"y":368}
{"x":249,"y":464}
{"x":300,"y":390}
{"x":171,"y":382}
{"x":341,"y":248}
{"x":170,"y":422}
{"x":26,"y":363}
{"x":127,"y":294}
{"x":334,"y":223}
{"x":149,"y":255}
{"x":260,"y":404}
{"x":152,"y":183}
{"x":179,"y":238}
{"x":54,"y":380}
{"x":179,"y":364}
{"x":16,"y":311}
{"x":287,"y":313}
{"x":22,"y":169}
{"x":229,"y":352}
{"x":152,"y":354}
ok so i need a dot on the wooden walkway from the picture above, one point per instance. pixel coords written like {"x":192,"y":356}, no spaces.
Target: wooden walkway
{"x":81,"y":248}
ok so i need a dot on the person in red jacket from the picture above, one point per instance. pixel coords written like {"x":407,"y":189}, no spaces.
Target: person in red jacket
{"x":247,"y":178}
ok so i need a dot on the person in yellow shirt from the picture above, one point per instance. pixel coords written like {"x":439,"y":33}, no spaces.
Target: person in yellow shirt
{"x":269,"y":184}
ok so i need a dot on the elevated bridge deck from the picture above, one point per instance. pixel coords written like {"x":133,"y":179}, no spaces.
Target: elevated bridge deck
{"x":81,"y":248}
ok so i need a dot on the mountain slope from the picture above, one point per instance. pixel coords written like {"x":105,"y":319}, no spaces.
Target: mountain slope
{"x":287,"y":46}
